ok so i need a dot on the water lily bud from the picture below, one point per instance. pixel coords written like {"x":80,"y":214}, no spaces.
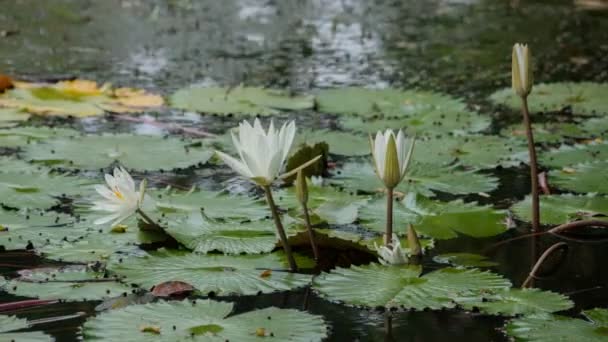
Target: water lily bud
{"x":301,"y":188}
{"x":521,"y":71}
{"x":392,"y":174}
{"x":413,"y":242}
{"x":391,"y":156}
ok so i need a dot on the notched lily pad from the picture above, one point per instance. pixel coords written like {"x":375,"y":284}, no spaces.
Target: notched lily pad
{"x":559,"y":209}
{"x":203,"y":320}
{"x":22,"y":136}
{"x":567,"y":155}
{"x":582,"y":178}
{"x":9,"y":331}
{"x":464,"y":259}
{"x":515,"y":302}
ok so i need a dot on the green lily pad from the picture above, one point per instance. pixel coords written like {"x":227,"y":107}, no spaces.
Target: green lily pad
{"x":11,"y":164}
{"x":137,"y":152}
{"x":33,"y":229}
{"x":549,"y":132}
{"x":23,"y":136}
{"x":585,"y":98}
{"x":464,"y":259}
{"x":559,"y":209}
{"x":374,"y":285}
{"x":582,"y":178}
{"x":10,"y":117}
{"x":550,"y":328}
{"x":520,"y":302}
{"x":425,"y":123}
{"x":72,"y":283}
{"x":567,"y":155}
{"x":391,"y":102}
{"x":421,"y":178}
{"x":340,"y":143}
{"x":597,"y":127}
{"x":222,"y":274}
{"x":205,"y":320}
{"x":215,"y":205}
{"x":238,"y":100}
{"x":9,"y":326}
{"x":203,"y":235}
{"x":439,"y":220}
{"x":22,"y":190}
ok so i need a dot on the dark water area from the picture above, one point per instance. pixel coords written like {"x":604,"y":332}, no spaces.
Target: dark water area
{"x":459,"y":47}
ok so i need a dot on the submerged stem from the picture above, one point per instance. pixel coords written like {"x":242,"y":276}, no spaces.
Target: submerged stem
{"x":533,"y":165}
{"x":388,"y":237}
{"x":311,"y":232}
{"x":539,"y":263}
{"x":279,"y":225}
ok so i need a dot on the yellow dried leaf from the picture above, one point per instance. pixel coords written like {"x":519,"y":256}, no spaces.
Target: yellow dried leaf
{"x":119,"y":228}
{"x":260,"y":332}
{"x":266,"y":274}
{"x":150,"y":329}
{"x":79,"y":87}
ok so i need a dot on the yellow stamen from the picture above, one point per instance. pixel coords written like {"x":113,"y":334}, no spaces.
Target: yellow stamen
{"x":118,"y":194}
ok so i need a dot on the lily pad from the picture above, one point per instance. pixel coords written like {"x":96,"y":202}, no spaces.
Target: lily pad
{"x":33,"y":229}
{"x":78,"y":98}
{"x":11,"y":164}
{"x":205,"y":320}
{"x":10,"y":117}
{"x":22,"y":190}
{"x":520,"y":302}
{"x":439,"y":220}
{"x":72,"y":283}
{"x":597,"y":127}
{"x":374,"y":285}
{"x":421,"y":178}
{"x":10,"y":325}
{"x":238,"y":100}
{"x":425,"y":123}
{"x":567,"y":155}
{"x":585,"y":98}
{"x":137,"y":152}
{"x":464,"y":259}
{"x":559,"y":209}
{"x":215,"y":205}
{"x":221,"y":274}
{"x":391,"y":102}
{"x":23,"y":136}
{"x":550,"y":328}
{"x":550,"y":132}
{"x":582,"y":178}
{"x":204,"y":235}
{"x":340,"y":143}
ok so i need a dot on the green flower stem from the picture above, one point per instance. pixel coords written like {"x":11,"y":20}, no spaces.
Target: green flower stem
{"x":388,"y":238}
{"x":533,"y":165}
{"x":279,"y":225}
{"x":148,"y":220}
{"x":311,"y":232}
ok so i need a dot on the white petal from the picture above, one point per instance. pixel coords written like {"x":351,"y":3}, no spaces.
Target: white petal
{"x":236,"y":165}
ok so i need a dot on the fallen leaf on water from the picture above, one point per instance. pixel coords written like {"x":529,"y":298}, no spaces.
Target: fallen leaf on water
{"x":150,"y":329}
{"x":119,"y":229}
{"x":172,"y":289}
{"x":5,"y":83}
{"x":80,"y":87}
{"x":260,"y":332}
{"x":266,"y":274}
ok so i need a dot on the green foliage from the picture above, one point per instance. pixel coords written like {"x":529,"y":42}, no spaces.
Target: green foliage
{"x":464,"y":259}
{"x":559,"y":209}
{"x":582,"y":178}
{"x":515,"y":302}
{"x":10,"y":324}
{"x":34,"y":229}
{"x":238,"y":100}
{"x":567,"y":155}
{"x":340,"y":143}
{"x":549,"y":132}
{"x":137,"y":152}
{"x":205,"y":320}
{"x":23,"y":136}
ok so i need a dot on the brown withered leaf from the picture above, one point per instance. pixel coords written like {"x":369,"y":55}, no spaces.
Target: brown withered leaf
{"x":172,"y":289}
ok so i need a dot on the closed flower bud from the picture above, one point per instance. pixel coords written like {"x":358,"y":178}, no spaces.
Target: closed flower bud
{"x":521,"y":71}
{"x":301,"y":188}
{"x":392,"y":155}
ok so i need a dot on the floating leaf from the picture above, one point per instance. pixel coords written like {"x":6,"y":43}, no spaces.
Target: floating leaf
{"x":567,"y":155}
{"x":172,"y":289}
{"x":67,"y":283}
{"x":390,"y":102}
{"x":231,"y":237}
{"x":22,"y":136}
{"x":33,"y":229}
{"x":10,"y":324}
{"x":464,"y":259}
{"x":596,"y":126}
{"x":582,"y":178}
{"x":22,"y":190}
{"x":421,"y":178}
{"x":585,"y":98}
{"x":374,"y":285}
{"x":10,"y":164}
{"x":559,"y":209}
{"x":550,"y":328}
{"x":340,"y":143}
{"x":216,"y":205}
{"x":79,"y":98}
{"x":549,"y":132}
{"x":439,"y":220}
{"x":205,"y":320}
{"x":138,"y":152}
{"x":520,"y":302}
{"x":238,"y":100}
{"x":10,"y":117}
{"x":222,"y":274}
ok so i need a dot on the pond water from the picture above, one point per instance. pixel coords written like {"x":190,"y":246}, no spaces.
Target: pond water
{"x":458,"y":47}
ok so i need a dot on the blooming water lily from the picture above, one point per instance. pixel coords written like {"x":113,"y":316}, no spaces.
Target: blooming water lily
{"x":120,"y":197}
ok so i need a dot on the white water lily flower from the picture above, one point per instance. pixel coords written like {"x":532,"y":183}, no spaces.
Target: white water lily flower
{"x":394,"y":255}
{"x":120,"y":199}
{"x":392,"y":156}
{"x":521,"y":71}
{"x":262,"y":154}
